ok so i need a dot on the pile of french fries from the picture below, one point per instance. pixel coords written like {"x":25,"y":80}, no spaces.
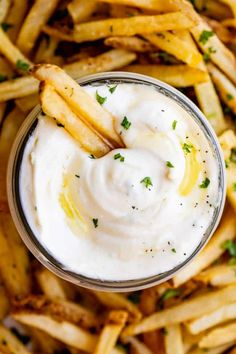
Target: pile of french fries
{"x":188,"y":44}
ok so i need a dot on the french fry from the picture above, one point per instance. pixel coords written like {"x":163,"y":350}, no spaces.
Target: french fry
{"x":214,"y":9}
{"x":225,"y":88}
{"x":231,"y":4}
{"x":46,"y":51}
{"x":170,"y":43}
{"x":190,"y":341}
{"x":219,"y":336}
{"x":216,"y":350}
{"x":229,"y":22}
{"x":13,"y":54}
{"x":135,"y":44}
{"x":10,"y":342}
{"x":54,"y":106}
{"x":130,"y":26}
{"x":138,"y":346}
{"x":59,"y":309}
{"x":213,"y":250}
{"x":175,"y":75}
{"x":187,"y":310}
{"x":81,"y":10}
{"x":222,"y":314}
{"x":146,"y":4}
{"x":79,"y":100}
{"x":38,"y":16}
{"x":64,"y":331}
{"x":228,"y":144}
{"x":110,"y":332}
{"x":117,"y":301}
{"x":19,"y":87}
{"x":26,"y":104}
{"x":5,"y":69}
{"x":4,"y":303}
{"x":4,"y":8}
{"x":51,"y":285}
{"x":15,"y":17}
{"x":110,"y":60}
{"x":44,"y":343}
{"x":173,"y":340}
{"x":219,"y":275}
{"x":57,"y":33}
{"x":154,"y":341}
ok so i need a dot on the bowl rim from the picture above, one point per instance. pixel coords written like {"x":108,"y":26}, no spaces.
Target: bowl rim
{"x":31,"y":240}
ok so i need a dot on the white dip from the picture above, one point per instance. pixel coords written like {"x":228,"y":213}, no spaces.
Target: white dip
{"x":119,"y":220}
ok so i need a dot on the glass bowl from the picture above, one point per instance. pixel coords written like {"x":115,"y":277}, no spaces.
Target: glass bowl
{"x":31,"y":241}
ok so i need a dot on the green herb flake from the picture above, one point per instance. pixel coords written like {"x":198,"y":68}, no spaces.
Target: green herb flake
{"x":234,"y":187}
{"x":207,"y":55}
{"x":3,"y":78}
{"x":95,"y":223}
{"x":205,"y":183}
{"x":173,"y":250}
{"x":100,"y":99}
{"x":229,"y":97}
{"x":6,"y":26}
{"x":22,"y":65}
{"x":120,"y":157}
{"x":230,"y":246}
{"x":205,"y":35}
{"x":112,"y":88}
{"x":169,"y":293}
{"x":187,"y":148}
{"x":147,"y":182}
{"x":232,"y":156}
{"x":174,"y":123}
{"x":125,"y":123}
{"x":134,"y":297}
{"x":169,"y":164}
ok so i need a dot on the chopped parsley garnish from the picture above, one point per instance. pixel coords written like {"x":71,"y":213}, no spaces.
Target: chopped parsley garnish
{"x":207,"y":55}
{"x":78,"y":176}
{"x":95,"y":223}
{"x":174,"y":123}
{"x":229,"y":97}
{"x":205,"y":183}
{"x":112,"y":88}
{"x":92,"y":157}
{"x":3,"y":78}
{"x":100,"y":99}
{"x":120,"y":157}
{"x":205,"y":35}
{"x":187,"y":148}
{"x":125,"y":123}
{"x":234,"y":186}
{"x":22,"y":65}
{"x":147,"y":182}
{"x":232,"y":157}
{"x":230,"y":246}
{"x":5,"y":26}
{"x":169,"y":293}
{"x":169,"y":164}
{"x":173,"y":250}
{"x":134,"y":297}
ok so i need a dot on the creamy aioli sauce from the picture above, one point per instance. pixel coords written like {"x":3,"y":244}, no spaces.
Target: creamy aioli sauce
{"x":133,"y":213}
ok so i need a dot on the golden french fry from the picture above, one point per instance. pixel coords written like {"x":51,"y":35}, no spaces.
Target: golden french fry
{"x":6,"y":71}
{"x":26,"y":104}
{"x":225,"y":88}
{"x":229,"y":22}
{"x":81,"y":10}
{"x":15,"y":17}
{"x":215,"y":9}
{"x":228,"y":145}
{"x":222,"y":314}
{"x":172,"y":44}
{"x":154,"y":341}
{"x":44,"y":343}
{"x":118,"y":301}
{"x":219,"y":275}
{"x":4,"y":8}
{"x":37,"y":17}
{"x":64,"y":331}
{"x":13,"y":54}
{"x":57,"y":34}
{"x":131,"y":43}
{"x":231,"y":4}
{"x":190,"y":341}
{"x":216,"y":350}
{"x":51,"y":285}
{"x":10,"y":342}
{"x":110,"y":60}
{"x":19,"y":87}
{"x":219,"y":336}
{"x":138,"y":346}
{"x":213,"y":250}
{"x":79,"y":100}
{"x":110,"y":332}
{"x":159,"y":5}
{"x":130,"y":26}
{"x":173,"y":340}
{"x":175,"y":75}
{"x":187,"y":310}
{"x":46,"y":51}
{"x":55,"y":106}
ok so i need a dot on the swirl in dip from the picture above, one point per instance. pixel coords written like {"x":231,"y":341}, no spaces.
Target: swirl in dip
{"x":133,"y":213}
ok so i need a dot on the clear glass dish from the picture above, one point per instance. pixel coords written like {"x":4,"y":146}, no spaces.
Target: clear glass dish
{"x":31,"y":240}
